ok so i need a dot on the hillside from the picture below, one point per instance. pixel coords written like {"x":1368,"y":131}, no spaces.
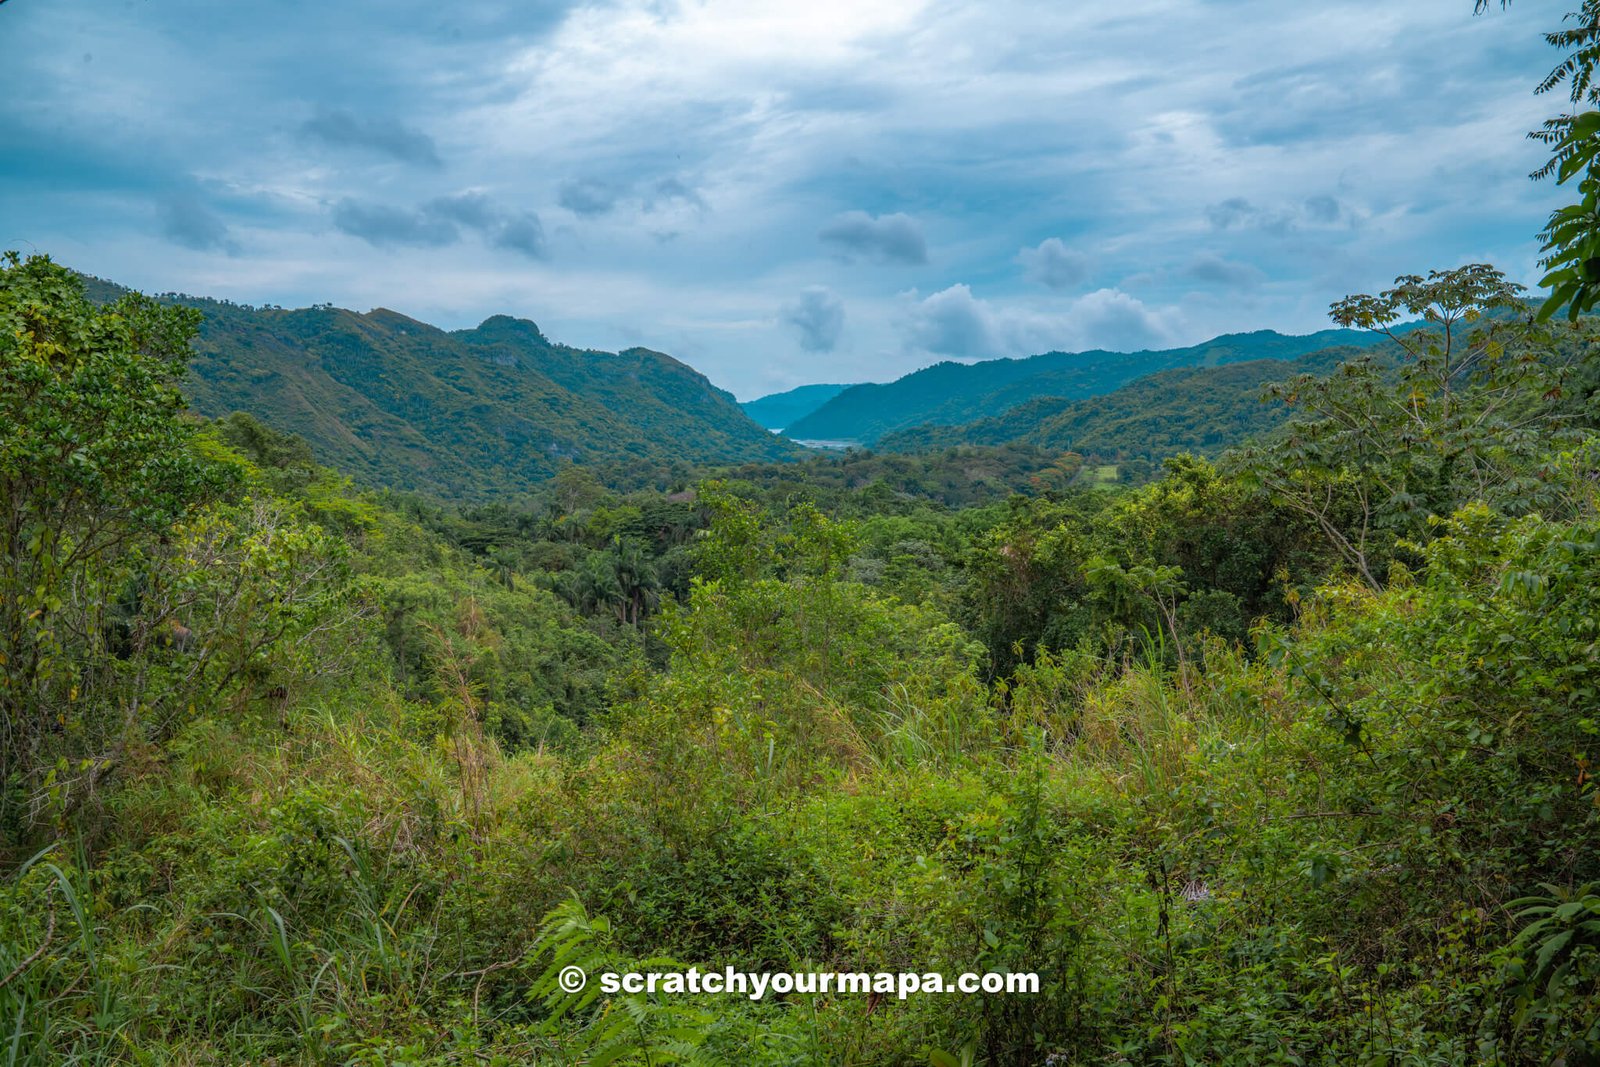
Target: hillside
{"x":950,"y":394}
{"x":469,"y":414}
{"x":1202,"y":410}
{"x":777,"y":410}
{"x":1265,"y":748}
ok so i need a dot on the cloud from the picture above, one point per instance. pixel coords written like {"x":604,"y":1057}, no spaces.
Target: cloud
{"x":384,"y":226}
{"x":186,"y":221}
{"x":588,"y":197}
{"x":522,"y":234}
{"x":1231,"y":212}
{"x":1316,"y":212}
{"x":1111,"y":319}
{"x":1054,"y":265}
{"x":468,"y":209}
{"x":592,"y":197}
{"x":384,"y":136}
{"x":1211,"y":269}
{"x":670,"y":190}
{"x":1324,"y":209}
{"x":1303,"y":128}
{"x":818,"y":316}
{"x":839,"y":94}
{"x":893,"y":238}
{"x":438,"y":222}
{"x":955,"y":323}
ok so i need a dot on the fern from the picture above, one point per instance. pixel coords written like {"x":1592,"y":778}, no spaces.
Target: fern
{"x":1552,"y":971}
{"x":1558,"y":927}
{"x":585,"y":1026}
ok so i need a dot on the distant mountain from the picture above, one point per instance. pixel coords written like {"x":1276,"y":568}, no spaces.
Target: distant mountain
{"x":951,"y":394}
{"x":468,"y":414}
{"x":1203,"y":410}
{"x":777,"y":410}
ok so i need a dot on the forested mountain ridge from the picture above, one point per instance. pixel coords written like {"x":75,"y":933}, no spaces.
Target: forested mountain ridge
{"x":951,"y":393}
{"x":1203,"y":410}
{"x":296,"y":768}
{"x":777,"y":410}
{"x":466,"y":414}
{"x":1089,"y":752}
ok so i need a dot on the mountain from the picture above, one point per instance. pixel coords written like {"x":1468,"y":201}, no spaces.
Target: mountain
{"x":951,"y":394}
{"x":777,"y":410}
{"x":1203,"y":410}
{"x":464,"y":414}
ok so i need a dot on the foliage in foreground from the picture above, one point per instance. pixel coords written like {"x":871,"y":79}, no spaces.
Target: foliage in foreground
{"x":342,"y":779}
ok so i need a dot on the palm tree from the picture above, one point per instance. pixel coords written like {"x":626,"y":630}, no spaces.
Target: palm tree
{"x":598,"y":588}
{"x":637,"y":579}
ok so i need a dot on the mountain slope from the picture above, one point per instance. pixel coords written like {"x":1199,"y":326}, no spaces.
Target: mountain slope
{"x":950,"y":394}
{"x":1190,"y":409}
{"x":468,"y":414}
{"x":777,"y":410}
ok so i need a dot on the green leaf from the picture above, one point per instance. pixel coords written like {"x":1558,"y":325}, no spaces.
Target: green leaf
{"x":1549,"y":949}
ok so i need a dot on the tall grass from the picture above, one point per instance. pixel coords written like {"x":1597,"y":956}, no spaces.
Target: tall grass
{"x":62,"y":968}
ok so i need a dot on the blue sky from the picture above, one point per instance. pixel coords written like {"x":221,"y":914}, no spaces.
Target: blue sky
{"x":780,"y":193}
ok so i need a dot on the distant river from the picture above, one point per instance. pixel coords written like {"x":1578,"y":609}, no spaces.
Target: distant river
{"x":835,"y":446}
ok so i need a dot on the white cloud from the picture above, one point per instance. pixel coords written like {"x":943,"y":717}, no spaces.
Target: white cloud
{"x":1054,"y":265}
{"x":1333,"y":154}
{"x":955,"y":323}
{"x":1111,"y":319}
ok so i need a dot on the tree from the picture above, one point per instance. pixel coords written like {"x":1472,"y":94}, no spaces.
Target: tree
{"x":575,"y":489}
{"x":637,"y":579}
{"x":95,"y":464}
{"x":1469,"y":414}
{"x":1126,"y":589}
{"x":735,"y":546}
{"x":1572,"y":234}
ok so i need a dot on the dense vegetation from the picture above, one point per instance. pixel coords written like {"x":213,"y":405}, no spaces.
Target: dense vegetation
{"x":1286,"y":759}
{"x":468,"y":415}
{"x":950,"y":394}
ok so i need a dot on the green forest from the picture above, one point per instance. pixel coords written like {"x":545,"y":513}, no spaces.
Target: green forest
{"x":1282,"y":758}
{"x":355,"y":689}
{"x":465,"y":415}
{"x":952,"y":394}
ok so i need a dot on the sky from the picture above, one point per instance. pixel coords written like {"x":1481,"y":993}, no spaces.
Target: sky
{"x":781,"y":193}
